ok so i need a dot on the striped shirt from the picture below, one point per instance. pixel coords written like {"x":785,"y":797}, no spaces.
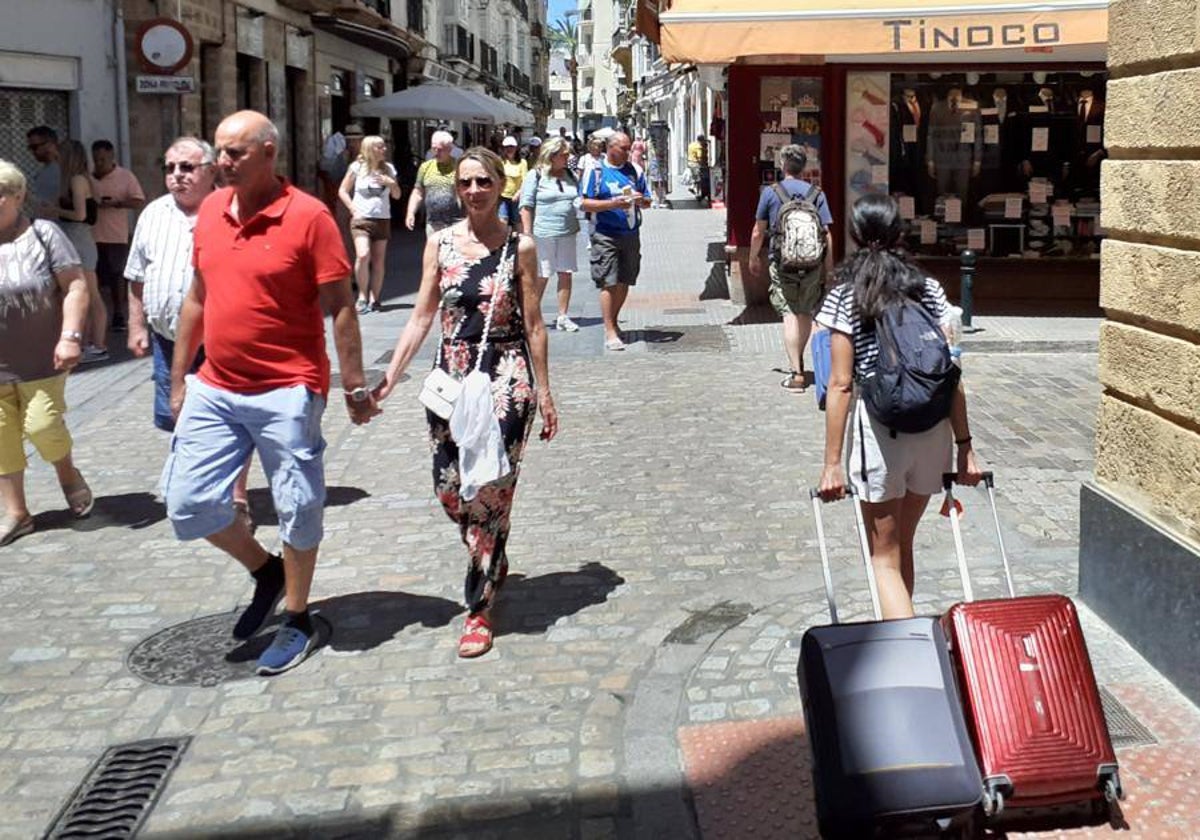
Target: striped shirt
{"x":160,"y":258}
{"x":840,"y":314}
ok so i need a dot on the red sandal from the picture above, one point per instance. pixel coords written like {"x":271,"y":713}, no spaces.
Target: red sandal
{"x":476,"y":638}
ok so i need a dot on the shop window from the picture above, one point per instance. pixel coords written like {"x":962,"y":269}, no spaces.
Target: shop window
{"x":790,"y":109}
{"x":1005,"y":163}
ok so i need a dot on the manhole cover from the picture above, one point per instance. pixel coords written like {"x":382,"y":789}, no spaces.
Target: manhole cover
{"x":117,"y":794}
{"x":202,"y":652}
{"x":694,"y":339}
{"x":716,"y":619}
{"x":1124,"y":729}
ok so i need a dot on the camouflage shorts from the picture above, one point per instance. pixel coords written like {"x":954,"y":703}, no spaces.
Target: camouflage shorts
{"x":796,"y":294}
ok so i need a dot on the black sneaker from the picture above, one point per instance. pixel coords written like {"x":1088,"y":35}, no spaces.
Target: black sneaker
{"x":268,"y":592}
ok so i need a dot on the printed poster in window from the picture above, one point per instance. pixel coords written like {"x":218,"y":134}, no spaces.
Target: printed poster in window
{"x":867,"y":124}
{"x":800,"y":92}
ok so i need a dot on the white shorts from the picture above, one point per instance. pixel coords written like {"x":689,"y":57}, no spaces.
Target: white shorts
{"x":555,"y":254}
{"x":896,"y":465}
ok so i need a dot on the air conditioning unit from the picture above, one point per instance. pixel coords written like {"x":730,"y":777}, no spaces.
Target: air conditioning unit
{"x":434,"y":72}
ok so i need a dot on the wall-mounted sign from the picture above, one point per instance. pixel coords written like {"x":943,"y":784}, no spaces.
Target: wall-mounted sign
{"x":163,"y":46}
{"x":166,"y":84}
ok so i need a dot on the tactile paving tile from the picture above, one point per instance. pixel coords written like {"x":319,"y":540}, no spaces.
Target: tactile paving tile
{"x":753,"y":779}
{"x":1159,"y":786}
{"x":750,"y":779}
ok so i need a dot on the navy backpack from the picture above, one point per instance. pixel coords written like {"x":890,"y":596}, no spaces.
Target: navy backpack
{"x":912,"y":385}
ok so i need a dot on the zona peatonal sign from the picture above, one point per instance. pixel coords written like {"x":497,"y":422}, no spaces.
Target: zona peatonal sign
{"x":164,"y":47}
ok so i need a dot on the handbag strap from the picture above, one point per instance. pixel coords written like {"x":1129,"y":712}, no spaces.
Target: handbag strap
{"x":502,"y":270}
{"x":505,"y":274}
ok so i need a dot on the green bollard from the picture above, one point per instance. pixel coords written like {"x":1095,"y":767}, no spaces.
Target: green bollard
{"x":967,"y":260}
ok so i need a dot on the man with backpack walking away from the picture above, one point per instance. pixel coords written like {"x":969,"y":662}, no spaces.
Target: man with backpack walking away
{"x":793,"y":216}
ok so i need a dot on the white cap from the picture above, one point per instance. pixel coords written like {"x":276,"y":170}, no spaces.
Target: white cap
{"x":535,"y":141}
{"x":509,"y":141}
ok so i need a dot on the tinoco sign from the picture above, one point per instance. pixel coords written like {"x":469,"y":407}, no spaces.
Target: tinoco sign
{"x":910,"y":35}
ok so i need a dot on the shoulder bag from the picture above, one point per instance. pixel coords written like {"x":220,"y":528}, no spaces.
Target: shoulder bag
{"x":440,"y":391}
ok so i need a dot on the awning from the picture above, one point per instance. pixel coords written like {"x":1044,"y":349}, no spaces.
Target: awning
{"x":722,"y":31}
{"x":435,"y":101}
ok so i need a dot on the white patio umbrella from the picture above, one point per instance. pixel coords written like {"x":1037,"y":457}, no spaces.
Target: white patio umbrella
{"x":430,"y":102}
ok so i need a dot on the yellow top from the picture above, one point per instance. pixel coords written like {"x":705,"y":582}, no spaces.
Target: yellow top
{"x":514,"y":174}
{"x":695,"y":152}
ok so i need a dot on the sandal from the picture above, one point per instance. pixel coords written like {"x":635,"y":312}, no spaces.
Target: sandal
{"x":476,"y":638}
{"x":12,"y":528}
{"x":79,"y":497}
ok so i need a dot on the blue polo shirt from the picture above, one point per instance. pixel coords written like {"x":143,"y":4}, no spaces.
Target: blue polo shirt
{"x":605,"y":182}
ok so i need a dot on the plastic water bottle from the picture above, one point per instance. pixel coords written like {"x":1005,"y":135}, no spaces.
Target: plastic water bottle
{"x":955,"y":335}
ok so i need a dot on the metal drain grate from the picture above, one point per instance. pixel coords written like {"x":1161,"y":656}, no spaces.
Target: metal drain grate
{"x":1124,"y":729}
{"x":119,"y":791}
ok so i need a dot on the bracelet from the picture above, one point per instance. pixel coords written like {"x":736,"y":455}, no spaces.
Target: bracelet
{"x":965,"y":440}
{"x":71,"y":335}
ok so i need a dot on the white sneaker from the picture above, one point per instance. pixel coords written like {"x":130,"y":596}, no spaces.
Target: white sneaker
{"x":565,"y":324}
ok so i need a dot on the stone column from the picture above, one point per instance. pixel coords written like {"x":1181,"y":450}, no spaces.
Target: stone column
{"x":1140,"y":524}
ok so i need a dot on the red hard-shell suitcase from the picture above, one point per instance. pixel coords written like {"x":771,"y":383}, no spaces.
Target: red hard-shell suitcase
{"x":1031,"y":699}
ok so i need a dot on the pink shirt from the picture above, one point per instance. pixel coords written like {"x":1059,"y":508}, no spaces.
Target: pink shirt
{"x":112,"y":223}
{"x":637,"y":153}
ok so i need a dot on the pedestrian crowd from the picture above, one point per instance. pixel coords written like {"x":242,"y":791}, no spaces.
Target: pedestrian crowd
{"x":232,"y":272}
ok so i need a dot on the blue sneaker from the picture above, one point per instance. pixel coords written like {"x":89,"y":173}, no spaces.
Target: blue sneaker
{"x":289,"y":648}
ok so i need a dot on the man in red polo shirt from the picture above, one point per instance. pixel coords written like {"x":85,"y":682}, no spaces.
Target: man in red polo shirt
{"x":269,"y":264}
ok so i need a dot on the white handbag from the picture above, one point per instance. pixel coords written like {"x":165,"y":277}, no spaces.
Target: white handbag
{"x":440,"y":391}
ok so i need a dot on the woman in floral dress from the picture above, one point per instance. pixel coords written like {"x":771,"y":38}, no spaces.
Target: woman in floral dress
{"x":474,"y":265}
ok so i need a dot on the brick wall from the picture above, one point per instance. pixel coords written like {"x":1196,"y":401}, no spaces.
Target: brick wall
{"x":1148,"y":436}
{"x":156,"y":120}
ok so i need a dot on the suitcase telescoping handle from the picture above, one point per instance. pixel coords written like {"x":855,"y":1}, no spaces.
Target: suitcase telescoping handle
{"x":948,"y":482}
{"x":862,"y":541}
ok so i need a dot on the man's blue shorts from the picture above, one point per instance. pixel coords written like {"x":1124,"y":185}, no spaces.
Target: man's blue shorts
{"x":164,"y":350}
{"x":217,"y":431}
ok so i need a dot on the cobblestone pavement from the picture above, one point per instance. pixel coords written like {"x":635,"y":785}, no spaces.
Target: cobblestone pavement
{"x":664,"y":567}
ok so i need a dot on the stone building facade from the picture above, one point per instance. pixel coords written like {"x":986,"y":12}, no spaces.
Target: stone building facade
{"x":245,"y":56}
{"x":1140,"y":528}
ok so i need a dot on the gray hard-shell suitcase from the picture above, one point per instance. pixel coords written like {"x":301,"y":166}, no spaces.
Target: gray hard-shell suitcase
{"x":891,"y":751}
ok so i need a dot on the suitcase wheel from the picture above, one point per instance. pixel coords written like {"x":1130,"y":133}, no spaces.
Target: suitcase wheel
{"x":993,"y":802}
{"x":1112,"y":789}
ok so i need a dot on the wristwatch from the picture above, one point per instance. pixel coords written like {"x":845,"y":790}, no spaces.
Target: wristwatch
{"x":72,"y":335}
{"x":358,"y":395}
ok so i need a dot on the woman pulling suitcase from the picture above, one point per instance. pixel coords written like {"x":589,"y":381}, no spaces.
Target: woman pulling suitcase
{"x":893,"y":473}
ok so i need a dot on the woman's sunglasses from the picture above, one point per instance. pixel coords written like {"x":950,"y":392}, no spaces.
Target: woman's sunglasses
{"x":483,"y":182}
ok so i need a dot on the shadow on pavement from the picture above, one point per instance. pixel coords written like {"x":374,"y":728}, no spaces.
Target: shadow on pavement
{"x":358,"y":622}
{"x":716,"y":285}
{"x":759,"y":314}
{"x":550,"y":816}
{"x":124,"y":510}
{"x":653,"y":336}
{"x":365,"y":620}
{"x":532,"y":604}
{"x":262,"y":508}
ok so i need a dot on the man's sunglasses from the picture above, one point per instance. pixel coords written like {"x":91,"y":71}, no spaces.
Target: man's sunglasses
{"x":483,"y":182}
{"x":184,"y":167}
